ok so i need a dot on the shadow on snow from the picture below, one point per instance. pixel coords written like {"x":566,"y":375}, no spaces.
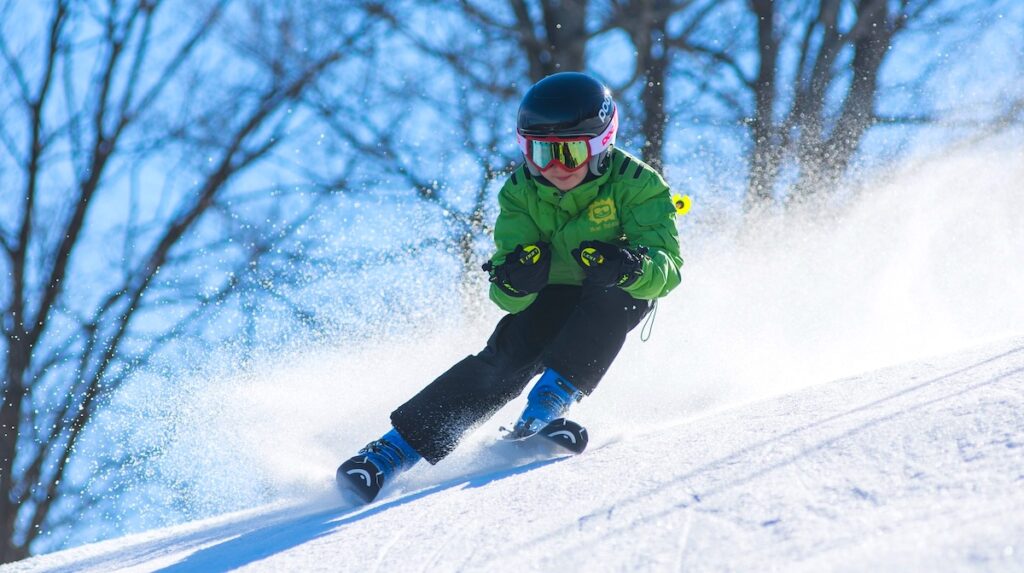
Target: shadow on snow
{"x":263,"y":542}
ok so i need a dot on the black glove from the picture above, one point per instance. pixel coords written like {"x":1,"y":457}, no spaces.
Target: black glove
{"x":524,"y":271}
{"x":609,"y":265}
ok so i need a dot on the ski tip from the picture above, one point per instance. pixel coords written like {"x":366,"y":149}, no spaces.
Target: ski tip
{"x":567,"y":434}
{"x":356,"y":484}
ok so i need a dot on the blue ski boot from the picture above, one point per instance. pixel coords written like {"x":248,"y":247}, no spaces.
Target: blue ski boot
{"x":550,"y":398}
{"x":376,"y":464}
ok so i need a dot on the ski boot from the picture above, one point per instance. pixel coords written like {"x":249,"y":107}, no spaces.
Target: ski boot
{"x":550,"y":398}
{"x":362,"y":476}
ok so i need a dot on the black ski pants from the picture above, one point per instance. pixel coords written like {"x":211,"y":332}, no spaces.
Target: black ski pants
{"x":576,"y":330}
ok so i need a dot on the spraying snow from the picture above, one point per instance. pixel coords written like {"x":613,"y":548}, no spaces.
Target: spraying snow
{"x":928,"y":262}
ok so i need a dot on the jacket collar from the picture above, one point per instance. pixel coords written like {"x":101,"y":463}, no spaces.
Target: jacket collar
{"x":574,"y":200}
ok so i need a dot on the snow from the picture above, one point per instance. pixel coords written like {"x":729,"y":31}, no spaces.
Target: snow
{"x":838,"y":393}
{"x":918,"y":466}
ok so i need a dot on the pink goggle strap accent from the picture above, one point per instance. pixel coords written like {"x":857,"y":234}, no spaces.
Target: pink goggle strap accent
{"x":602,"y":142}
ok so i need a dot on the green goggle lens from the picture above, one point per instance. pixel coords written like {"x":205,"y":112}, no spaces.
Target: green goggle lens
{"x":571,"y":154}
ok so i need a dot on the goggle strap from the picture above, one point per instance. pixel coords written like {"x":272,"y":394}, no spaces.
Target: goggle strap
{"x":600,"y":143}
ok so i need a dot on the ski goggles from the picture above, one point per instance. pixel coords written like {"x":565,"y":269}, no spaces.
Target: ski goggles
{"x":572,"y":153}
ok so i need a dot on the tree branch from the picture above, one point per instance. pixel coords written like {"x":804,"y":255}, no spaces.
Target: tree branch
{"x":718,"y":56}
{"x":19,"y":74}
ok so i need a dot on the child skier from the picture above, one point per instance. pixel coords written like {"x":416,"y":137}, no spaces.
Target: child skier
{"x":586,"y":240}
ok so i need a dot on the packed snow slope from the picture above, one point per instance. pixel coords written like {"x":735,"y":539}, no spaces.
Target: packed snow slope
{"x":913,"y":467}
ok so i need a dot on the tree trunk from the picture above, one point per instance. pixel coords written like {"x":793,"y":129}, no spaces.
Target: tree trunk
{"x":653,"y":96}
{"x":10,"y":419}
{"x":830,"y":157}
{"x":562,"y":45}
{"x":766,"y":155}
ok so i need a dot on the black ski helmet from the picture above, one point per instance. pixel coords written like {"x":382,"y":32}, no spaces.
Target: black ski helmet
{"x":570,"y":104}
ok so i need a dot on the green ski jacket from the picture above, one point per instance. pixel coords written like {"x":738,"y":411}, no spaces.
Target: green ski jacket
{"x":628,"y":205}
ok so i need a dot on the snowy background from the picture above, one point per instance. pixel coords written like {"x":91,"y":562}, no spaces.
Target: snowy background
{"x":836,"y":384}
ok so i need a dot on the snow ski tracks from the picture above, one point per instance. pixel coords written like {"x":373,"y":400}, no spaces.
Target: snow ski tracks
{"x":821,"y":474}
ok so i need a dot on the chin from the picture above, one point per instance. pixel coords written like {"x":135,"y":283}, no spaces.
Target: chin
{"x":566,"y":183}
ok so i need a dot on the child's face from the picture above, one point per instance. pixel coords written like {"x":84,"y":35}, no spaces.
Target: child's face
{"x":564,"y":179}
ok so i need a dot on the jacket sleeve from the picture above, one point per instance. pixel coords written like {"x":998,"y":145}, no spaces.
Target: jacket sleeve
{"x":651,"y":222}
{"x":514,"y":227}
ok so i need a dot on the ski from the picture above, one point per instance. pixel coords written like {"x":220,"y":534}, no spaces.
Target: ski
{"x":565,"y":434}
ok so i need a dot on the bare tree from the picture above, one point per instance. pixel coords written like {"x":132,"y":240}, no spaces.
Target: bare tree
{"x":104,"y":265}
{"x":446,"y":146}
{"x":815,"y":113}
{"x":647,"y":23}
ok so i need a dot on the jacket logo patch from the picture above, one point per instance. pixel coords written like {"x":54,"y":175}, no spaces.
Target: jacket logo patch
{"x":601,"y":212}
